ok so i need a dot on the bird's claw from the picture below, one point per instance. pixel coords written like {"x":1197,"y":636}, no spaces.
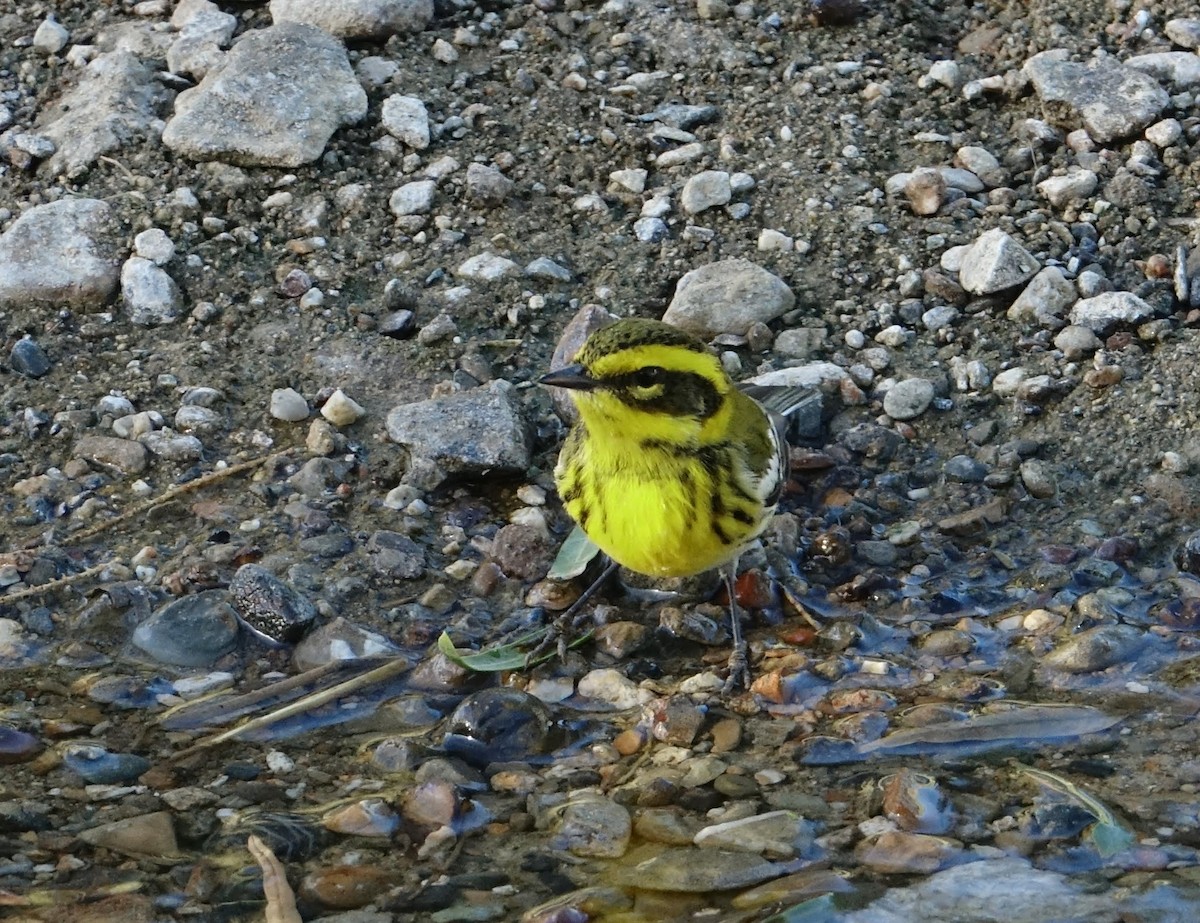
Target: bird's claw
{"x":739,"y":670}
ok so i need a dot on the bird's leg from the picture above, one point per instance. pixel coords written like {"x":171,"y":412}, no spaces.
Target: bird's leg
{"x":739,"y":664}
{"x":564,"y":626}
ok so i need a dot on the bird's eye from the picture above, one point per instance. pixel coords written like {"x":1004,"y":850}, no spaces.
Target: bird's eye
{"x":649,"y":376}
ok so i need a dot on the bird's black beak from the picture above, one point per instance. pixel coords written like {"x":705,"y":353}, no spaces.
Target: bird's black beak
{"x":570,"y":376}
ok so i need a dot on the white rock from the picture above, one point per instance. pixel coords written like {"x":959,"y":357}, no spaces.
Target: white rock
{"x":627,"y":180}
{"x":1105,"y":311}
{"x":274,"y":99}
{"x":486,"y":267}
{"x":149,"y":295}
{"x":65,"y":252}
{"x":443,"y":52}
{"x":771,"y":240}
{"x":995,"y":262}
{"x":357,"y":19}
{"x":1165,"y":133}
{"x":1006,"y":383}
{"x":154,"y":245}
{"x":288,"y":405}
{"x":705,"y":190}
{"x":340,"y":409}
{"x":405,"y":118}
{"x":51,"y":36}
{"x":728,"y":296}
{"x":945,"y":72}
{"x":1074,"y":186}
{"x":415,"y":198}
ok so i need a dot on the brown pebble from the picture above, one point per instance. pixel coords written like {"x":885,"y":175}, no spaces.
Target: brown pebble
{"x":630,"y":741}
{"x":486,"y":578}
{"x":770,"y":686}
{"x":726,"y":735}
{"x":345,"y":887}
{"x":1104,"y":377}
{"x":1158,"y":267}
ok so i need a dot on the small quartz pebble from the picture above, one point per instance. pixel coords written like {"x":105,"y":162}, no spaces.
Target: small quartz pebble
{"x":908,"y":399}
{"x":405,"y":118}
{"x":341,"y":410}
{"x":51,"y":37}
{"x":288,"y":405}
{"x":154,"y":245}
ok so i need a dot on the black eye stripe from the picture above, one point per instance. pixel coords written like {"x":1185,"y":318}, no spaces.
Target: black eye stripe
{"x":682,"y":393}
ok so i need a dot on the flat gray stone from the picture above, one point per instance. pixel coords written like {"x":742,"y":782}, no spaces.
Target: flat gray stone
{"x":357,"y":19}
{"x":486,"y":267}
{"x":705,"y":190}
{"x":124,"y":455}
{"x":728,"y":296}
{"x":115,"y":105}
{"x":406,"y":118}
{"x":65,"y":252}
{"x":1073,"y":186}
{"x":1103,"y":312}
{"x":1181,"y":69}
{"x":1045,"y":299}
{"x":415,"y":198}
{"x":1111,"y":100}
{"x":462,"y":435}
{"x":275,"y":99}
{"x":908,"y":399}
{"x":191,"y":631}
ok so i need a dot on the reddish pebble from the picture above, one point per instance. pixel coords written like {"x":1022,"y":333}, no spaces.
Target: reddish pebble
{"x":345,"y":887}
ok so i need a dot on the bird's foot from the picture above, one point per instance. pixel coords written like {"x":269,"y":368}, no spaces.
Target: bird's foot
{"x":560,"y":635}
{"x":739,"y":669}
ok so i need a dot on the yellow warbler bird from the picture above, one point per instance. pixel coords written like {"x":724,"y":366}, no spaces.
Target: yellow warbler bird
{"x":671,"y":469}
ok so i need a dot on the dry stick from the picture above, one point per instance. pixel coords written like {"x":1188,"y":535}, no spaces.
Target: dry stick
{"x":162,"y":499}
{"x":172,"y":494}
{"x":56,"y":584}
{"x":387,"y":671}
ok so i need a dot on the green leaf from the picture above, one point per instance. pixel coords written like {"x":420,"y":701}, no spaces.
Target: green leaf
{"x":504,"y":657}
{"x":1107,"y":834}
{"x":576,"y":553}
{"x":490,"y":660}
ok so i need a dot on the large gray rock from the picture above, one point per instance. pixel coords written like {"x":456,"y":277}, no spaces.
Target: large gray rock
{"x":357,"y":19}
{"x":115,"y":105}
{"x":274,"y":100}
{"x":66,"y":252}
{"x":728,"y":296}
{"x":1111,"y":100}
{"x":462,"y":435}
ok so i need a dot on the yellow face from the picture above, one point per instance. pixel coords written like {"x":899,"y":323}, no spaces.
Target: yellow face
{"x":645,"y":380}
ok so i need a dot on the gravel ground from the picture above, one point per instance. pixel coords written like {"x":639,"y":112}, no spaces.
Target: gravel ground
{"x":276,"y":281}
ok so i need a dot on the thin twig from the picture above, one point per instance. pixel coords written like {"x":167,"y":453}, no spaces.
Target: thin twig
{"x":59,"y":583}
{"x":317,"y":699}
{"x":172,"y":494}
